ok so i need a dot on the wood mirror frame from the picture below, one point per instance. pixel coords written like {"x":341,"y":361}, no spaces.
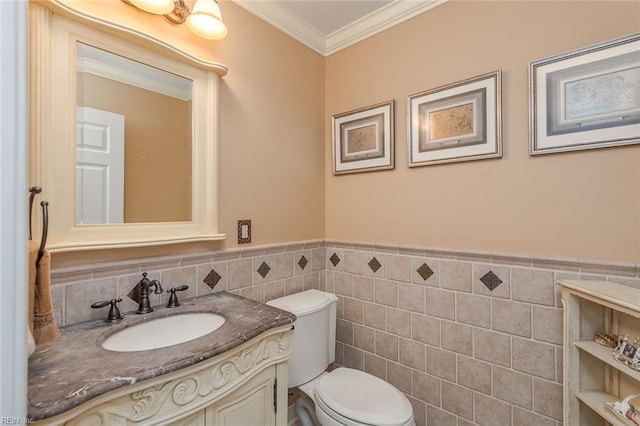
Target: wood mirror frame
{"x":52,"y":116}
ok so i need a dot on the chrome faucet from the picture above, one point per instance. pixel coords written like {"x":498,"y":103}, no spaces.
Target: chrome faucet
{"x":144,"y":307}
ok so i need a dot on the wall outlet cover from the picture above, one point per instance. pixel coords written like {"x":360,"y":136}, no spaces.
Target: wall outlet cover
{"x":244,"y":231}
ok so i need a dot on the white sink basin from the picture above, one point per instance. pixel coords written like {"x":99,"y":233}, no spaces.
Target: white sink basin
{"x":163,"y":332}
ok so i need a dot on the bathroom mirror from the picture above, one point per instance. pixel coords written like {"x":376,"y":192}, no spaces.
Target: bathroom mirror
{"x":133,"y":133}
{"x":123,"y":132}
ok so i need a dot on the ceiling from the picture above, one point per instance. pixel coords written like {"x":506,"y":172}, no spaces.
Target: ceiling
{"x":328,"y":26}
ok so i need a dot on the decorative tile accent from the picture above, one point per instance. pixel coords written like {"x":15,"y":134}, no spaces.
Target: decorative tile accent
{"x":303,"y":262}
{"x":424,"y":271}
{"x":264,"y":269}
{"x":334,"y":259}
{"x":134,"y":294}
{"x":212,"y":279}
{"x":374,"y":265}
{"x":491,"y":280}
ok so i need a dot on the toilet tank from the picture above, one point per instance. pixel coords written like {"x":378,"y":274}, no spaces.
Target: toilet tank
{"x":313,"y":344}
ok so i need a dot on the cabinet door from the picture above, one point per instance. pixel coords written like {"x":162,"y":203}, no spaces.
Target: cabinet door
{"x":197,"y":419}
{"x":250,"y":404}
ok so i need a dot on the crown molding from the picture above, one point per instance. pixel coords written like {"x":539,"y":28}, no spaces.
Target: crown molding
{"x":286,"y":21}
{"x":377,"y":21}
{"x":291,"y":24}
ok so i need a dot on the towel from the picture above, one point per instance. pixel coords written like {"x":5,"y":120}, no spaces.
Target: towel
{"x":42,"y":322}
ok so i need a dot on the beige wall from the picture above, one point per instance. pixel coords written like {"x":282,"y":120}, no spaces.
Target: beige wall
{"x":275,"y":139}
{"x":578,"y":204}
{"x":271,"y":133}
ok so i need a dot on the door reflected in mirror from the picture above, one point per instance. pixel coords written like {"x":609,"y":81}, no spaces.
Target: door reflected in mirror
{"x":134,"y":141}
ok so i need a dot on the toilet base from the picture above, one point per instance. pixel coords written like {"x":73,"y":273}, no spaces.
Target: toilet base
{"x":306,"y":410}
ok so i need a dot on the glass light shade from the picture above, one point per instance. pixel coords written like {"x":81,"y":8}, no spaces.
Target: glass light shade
{"x":157,"y":7}
{"x":206,"y":20}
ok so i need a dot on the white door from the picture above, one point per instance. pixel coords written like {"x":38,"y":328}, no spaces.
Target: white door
{"x":99,"y":166}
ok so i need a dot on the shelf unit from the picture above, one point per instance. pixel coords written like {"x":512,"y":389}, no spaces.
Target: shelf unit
{"x":592,"y":377}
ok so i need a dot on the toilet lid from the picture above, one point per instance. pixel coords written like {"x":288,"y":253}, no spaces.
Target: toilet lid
{"x":363,"y":398}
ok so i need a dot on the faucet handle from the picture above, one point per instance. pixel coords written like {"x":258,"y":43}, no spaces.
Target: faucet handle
{"x":173,"y":298}
{"x":114,"y":312}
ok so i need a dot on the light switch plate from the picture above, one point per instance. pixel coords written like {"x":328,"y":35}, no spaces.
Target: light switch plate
{"x":244,"y":231}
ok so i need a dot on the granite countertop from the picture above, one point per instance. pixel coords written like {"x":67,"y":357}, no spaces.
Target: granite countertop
{"x":75,"y":368}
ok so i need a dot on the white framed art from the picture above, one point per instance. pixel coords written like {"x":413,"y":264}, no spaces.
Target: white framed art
{"x":587,"y":98}
{"x":461,"y":121}
{"x":363,"y":139}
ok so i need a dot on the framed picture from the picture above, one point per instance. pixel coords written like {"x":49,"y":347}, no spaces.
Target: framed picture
{"x":456,"y":122}
{"x":363,"y":140}
{"x":584,"y":99}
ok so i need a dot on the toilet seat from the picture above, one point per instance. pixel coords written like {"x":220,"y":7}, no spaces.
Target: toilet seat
{"x":352,"y":397}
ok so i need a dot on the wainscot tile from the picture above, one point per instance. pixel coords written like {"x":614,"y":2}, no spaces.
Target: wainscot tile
{"x":353,"y":261}
{"x":399,"y":322}
{"x":511,"y":317}
{"x":412,"y":354}
{"x":441,"y":363}
{"x":441,"y":303}
{"x":547,"y":397}
{"x":239,"y":273}
{"x":411,"y":297}
{"x":456,"y":276}
{"x":457,"y":337}
{"x":480,"y":271}
{"x":375,"y":316}
{"x":474,"y":374}
{"x":425,"y":329}
{"x":437,"y":416}
{"x":284,"y":265}
{"x":532,"y":286}
{"x":457,"y":400}
{"x":425,"y":271}
{"x":535,"y":358}
{"x":513,"y":387}
{"x":387,"y":345}
{"x":473,"y":310}
{"x":492,"y":347}
{"x":353,"y":358}
{"x":375,"y":365}
{"x":547,"y":324}
{"x":492,"y":412}
{"x":426,"y":387}
{"x":364,"y":338}
{"x":399,"y":376}
{"x":386,"y":292}
{"x":399,"y":268}
{"x":527,"y":418}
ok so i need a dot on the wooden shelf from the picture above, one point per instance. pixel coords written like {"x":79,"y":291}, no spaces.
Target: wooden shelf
{"x":590,"y":382}
{"x":604,"y":354}
{"x":596,"y":400}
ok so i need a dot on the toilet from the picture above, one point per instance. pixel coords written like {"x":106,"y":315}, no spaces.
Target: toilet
{"x":343,"y":396}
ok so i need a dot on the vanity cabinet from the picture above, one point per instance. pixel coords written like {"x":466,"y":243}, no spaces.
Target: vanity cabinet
{"x":250,"y":404}
{"x":592,"y":377}
{"x":246,"y":385}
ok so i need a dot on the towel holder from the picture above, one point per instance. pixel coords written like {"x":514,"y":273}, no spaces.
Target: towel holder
{"x":34,"y":190}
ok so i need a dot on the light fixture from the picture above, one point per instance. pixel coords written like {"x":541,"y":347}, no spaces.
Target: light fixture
{"x":204,"y":20}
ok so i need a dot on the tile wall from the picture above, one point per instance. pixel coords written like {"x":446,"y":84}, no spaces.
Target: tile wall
{"x":260,"y":273}
{"x":470,"y":338}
